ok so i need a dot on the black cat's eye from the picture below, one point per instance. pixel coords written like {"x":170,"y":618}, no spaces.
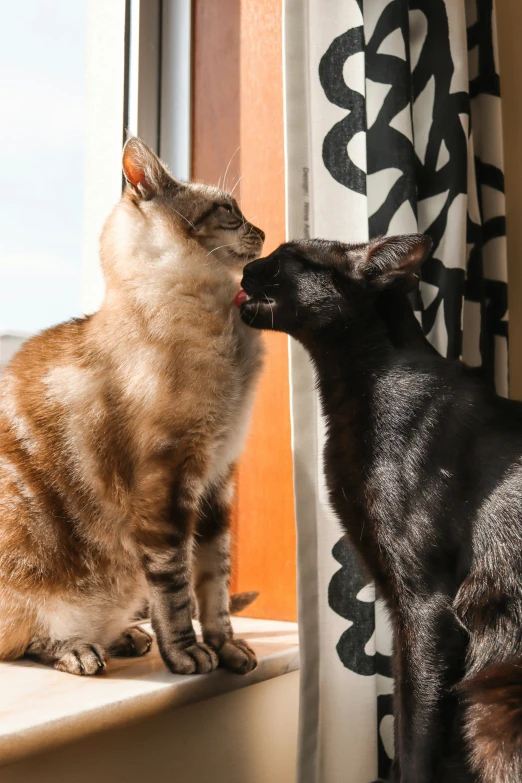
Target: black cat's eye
{"x":228,"y":207}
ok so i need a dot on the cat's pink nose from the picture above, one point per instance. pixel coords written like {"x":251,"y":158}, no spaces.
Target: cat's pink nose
{"x":240,"y":297}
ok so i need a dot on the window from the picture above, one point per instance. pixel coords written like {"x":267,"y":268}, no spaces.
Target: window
{"x":42,"y":138}
{"x":173,"y":72}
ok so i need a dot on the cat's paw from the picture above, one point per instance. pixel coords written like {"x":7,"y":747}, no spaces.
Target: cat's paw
{"x":83,"y":659}
{"x":133,"y":643}
{"x":197,"y":658}
{"x":236,"y":656}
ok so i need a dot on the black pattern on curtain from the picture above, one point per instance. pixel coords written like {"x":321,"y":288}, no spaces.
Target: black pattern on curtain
{"x":432,"y":121}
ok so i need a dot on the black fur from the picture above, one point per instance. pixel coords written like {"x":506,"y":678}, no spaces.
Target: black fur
{"x":423,"y":464}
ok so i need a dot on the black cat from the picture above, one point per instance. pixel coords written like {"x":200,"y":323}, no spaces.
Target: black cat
{"x":424,"y":467}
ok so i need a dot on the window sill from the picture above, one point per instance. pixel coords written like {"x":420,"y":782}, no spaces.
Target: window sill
{"x":43,"y":709}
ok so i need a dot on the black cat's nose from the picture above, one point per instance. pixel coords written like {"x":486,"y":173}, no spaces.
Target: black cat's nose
{"x":260,"y":233}
{"x":253,"y":268}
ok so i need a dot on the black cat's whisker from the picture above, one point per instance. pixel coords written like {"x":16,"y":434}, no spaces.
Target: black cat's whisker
{"x":255,"y":314}
{"x":271,"y":308}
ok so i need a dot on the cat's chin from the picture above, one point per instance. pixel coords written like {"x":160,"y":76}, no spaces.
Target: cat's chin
{"x":236,"y":265}
{"x":258,"y":314}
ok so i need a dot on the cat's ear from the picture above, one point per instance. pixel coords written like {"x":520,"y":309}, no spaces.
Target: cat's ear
{"x":390,"y":259}
{"x":143,"y":170}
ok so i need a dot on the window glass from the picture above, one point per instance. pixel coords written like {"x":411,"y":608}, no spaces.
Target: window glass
{"x":42,"y":129}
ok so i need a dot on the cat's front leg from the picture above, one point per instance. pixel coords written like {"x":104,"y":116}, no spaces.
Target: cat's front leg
{"x":212,"y":576}
{"x":429,"y":658}
{"x":73,"y":655}
{"x":167,"y":559}
{"x":416,"y":705}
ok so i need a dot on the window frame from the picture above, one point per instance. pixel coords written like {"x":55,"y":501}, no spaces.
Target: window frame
{"x":139,"y":79}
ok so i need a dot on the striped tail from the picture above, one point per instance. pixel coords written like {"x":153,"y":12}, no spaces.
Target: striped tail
{"x":494,"y":722}
{"x":240,"y":601}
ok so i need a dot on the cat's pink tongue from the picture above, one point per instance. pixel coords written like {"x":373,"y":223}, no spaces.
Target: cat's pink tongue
{"x":240,"y":297}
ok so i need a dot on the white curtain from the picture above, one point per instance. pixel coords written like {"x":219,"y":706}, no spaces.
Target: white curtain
{"x":393,"y":124}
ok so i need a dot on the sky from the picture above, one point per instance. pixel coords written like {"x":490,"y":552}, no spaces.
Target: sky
{"x":42,"y":121}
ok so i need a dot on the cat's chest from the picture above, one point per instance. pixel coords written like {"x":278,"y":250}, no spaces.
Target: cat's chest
{"x":376,"y":489}
{"x":239,"y":355}
{"x":248,"y":348}
{"x":232,"y":428}
{"x":362,"y":482}
{"x":200,"y":393}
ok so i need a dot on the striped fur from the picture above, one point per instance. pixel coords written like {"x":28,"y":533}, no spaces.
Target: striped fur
{"x":493,"y":722}
{"x":118,"y":434}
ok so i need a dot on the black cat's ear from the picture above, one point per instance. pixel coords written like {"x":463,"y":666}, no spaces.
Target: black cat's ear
{"x":143,"y":170}
{"x":391,"y":259}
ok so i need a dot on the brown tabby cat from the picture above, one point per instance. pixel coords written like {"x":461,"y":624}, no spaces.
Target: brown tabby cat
{"x":118,"y":437}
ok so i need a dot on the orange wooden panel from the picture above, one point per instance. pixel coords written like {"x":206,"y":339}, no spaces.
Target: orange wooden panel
{"x":215,"y":113}
{"x":251,"y":80}
{"x":215,"y":90}
{"x":266,"y":530}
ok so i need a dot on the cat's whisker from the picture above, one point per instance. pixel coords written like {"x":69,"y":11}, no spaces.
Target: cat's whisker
{"x":235,"y":186}
{"x":225,"y":258}
{"x":271,"y":308}
{"x":252,"y":218}
{"x":228,"y":166}
{"x":219,"y":248}
{"x":255,"y":314}
{"x":184,"y":218}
